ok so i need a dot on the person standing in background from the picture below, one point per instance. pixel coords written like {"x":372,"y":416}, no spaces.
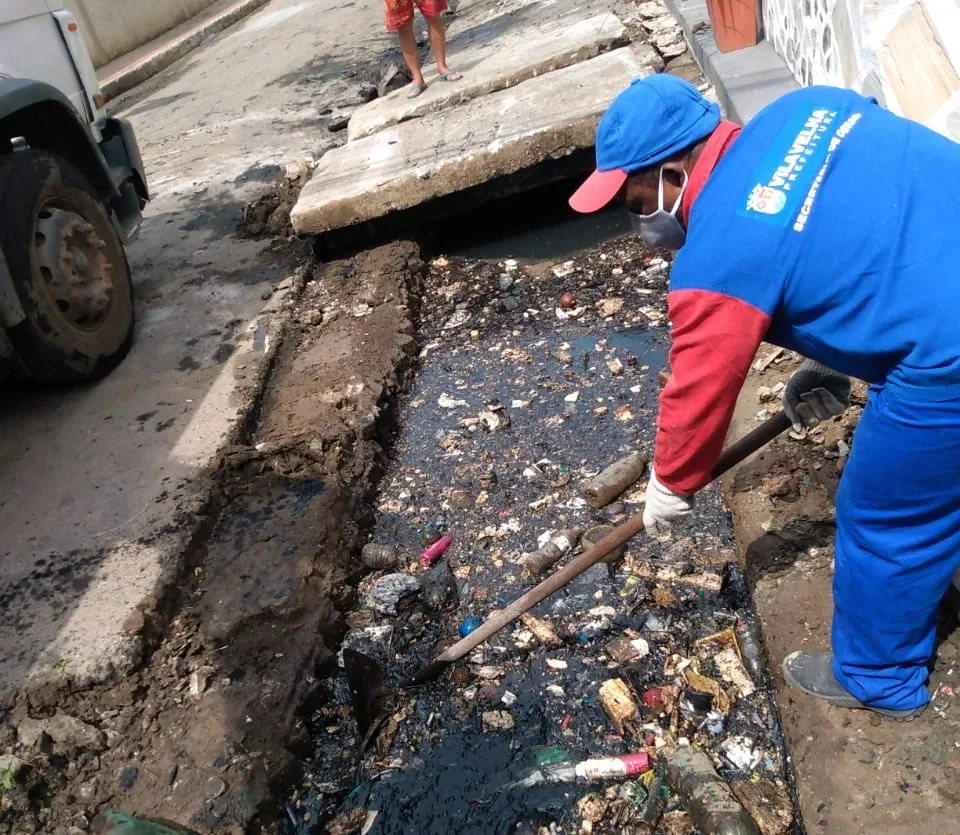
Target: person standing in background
{"x":400,"y":20}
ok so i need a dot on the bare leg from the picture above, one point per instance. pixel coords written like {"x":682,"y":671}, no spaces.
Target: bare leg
{"x":408,"y":46}
{"x":438,"y":40}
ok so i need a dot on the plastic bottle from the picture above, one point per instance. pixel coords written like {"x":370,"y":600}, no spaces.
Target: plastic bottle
{"x":601,"y":768}
{"x":706,"y":796}
{"x":560,"y":773}
{"x":120,"y":823}
{"x":748,"y":639}
{"x":545,"y":557}
{"x":435,"y":551}
{"x":614,"y":480}
{"x":625,"y":765}
{"x":750,"y":649}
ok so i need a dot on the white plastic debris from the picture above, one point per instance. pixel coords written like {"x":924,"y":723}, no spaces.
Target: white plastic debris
{"x":732,"y":670}
{"x":445,"y":401}
{"x":739,"y":752}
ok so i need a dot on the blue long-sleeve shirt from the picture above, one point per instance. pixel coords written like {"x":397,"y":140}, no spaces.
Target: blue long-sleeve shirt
{"x":830,"y":226}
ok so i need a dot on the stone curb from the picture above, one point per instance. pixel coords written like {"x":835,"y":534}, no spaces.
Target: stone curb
{"x":166,"y":54}
{"x":746,"y":80}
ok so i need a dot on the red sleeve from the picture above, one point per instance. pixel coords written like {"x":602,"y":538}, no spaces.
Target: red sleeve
{"x":714,"y":340}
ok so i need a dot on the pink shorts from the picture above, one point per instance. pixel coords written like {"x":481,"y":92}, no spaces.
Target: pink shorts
{"x":400,"y":12}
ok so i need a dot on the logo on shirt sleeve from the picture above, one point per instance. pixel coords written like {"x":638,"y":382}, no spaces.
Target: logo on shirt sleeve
{"x":789,"y":167}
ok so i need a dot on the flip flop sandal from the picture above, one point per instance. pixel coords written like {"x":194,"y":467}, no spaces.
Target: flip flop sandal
{"x":452,"y":75}
{"x":416,"y":90}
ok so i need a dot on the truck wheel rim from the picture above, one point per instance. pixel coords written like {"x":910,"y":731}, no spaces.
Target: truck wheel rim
{"x":74,"y":265}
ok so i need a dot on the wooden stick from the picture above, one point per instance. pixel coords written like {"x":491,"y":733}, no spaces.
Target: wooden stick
{"x":747,"y":445}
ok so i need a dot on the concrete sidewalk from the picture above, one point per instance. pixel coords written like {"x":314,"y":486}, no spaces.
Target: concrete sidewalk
{"x":127,"y":71}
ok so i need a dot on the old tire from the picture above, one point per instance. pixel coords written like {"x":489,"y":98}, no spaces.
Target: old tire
{"x":68,"y":268}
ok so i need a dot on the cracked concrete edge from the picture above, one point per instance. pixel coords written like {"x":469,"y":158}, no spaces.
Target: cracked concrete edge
{"x":148,"y":619}
{"x":157,"y":60}
{"x":366,"y":120}
{"x":746,"y":80}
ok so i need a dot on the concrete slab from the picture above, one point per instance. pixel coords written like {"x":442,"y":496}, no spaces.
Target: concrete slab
{"x":500,"y":134}
{"x":746,"y":80}
{"x":493,"y":55}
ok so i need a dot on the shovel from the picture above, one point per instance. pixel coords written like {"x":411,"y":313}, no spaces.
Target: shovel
{"x":358,"y":666}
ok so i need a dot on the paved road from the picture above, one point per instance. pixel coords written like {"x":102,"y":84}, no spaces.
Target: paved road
{"x":99,"y":483}
{"x":101,"y":486}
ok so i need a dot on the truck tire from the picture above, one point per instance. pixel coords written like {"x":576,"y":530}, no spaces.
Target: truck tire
{"x":68,"y":268}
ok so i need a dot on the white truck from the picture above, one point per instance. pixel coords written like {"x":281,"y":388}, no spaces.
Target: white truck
{"x":72,"y":188}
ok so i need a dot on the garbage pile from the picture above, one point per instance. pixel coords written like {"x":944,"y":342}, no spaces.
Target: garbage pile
{"x":633,"y":700}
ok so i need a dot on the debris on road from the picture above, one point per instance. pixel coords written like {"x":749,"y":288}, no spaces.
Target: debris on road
{"x":706,"y":796}
{"x":614,"y":480}
{"x":393,"y":591}
{"x":379,"y":556}
{"x":639,"y":657}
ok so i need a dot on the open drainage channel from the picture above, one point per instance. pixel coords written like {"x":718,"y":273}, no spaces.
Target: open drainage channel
{"x":517,"y":401}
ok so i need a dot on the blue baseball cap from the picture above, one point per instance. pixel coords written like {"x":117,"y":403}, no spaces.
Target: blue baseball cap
{"x":647,"y":123}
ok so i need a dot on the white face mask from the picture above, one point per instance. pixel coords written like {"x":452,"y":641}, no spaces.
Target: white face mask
{"x":662,"y":228}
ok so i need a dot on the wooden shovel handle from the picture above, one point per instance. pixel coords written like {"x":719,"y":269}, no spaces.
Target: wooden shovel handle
{"x":747,"y":445}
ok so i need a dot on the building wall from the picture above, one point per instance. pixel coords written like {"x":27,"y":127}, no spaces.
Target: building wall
{"x":113,"y":27}
{"x":905,"y":53}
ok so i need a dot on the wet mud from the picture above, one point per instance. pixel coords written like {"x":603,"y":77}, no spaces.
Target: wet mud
{"x":518,"y":400}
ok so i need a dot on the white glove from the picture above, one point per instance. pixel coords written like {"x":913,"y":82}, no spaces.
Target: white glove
{"x":663,"y":508}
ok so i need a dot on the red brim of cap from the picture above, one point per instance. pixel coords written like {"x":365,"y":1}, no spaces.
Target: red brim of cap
{"x":598,"y":190}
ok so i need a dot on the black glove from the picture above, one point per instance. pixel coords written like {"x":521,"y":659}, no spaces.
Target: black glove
{"x":815,"y":393}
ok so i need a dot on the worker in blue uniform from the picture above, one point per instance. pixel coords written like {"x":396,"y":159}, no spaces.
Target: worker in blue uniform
{"x":831,"y":227}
